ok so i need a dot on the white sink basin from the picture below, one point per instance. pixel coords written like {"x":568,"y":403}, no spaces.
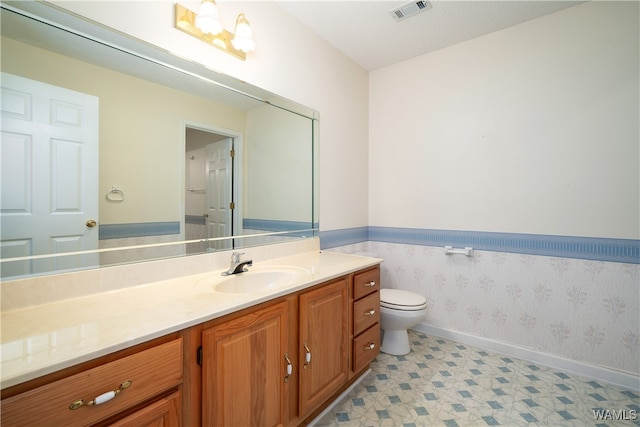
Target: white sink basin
{"x":259,"y":279}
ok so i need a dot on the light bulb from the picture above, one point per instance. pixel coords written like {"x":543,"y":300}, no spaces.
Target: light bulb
{"x":208,"y":19}
{"x":243,"y":38}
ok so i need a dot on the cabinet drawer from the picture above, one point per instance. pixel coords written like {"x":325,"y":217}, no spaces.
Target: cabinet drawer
{"x":366,"y":312}
{"x":366,"y":282}
{"x":366,"y":347}
{"x":150,"y":372}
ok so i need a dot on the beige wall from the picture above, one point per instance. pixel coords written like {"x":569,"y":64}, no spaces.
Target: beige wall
{"x":533,"y":129}
{"x":280,"y":158}
{"x":139,"y":152}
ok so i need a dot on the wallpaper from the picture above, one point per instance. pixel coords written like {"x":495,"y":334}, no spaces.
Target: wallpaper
{"x":583,"y":310}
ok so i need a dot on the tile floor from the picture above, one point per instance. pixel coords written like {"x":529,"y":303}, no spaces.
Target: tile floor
{"x":444,"y":383}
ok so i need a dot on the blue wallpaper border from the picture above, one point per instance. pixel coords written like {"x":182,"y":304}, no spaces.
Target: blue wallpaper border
{"x":275,"y":225}
{"x":195,"y":219}
{"x":347,"y":236}
{"x":142,"y":229}
{"x":590,"y":248}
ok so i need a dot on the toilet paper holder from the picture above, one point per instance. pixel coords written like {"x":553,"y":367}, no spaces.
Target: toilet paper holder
{"x":450,"y":250}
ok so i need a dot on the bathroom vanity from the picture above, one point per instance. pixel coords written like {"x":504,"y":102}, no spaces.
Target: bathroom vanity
{"x":276,"y":356}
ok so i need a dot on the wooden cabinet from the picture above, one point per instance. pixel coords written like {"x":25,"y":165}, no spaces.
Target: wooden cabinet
{"x":366,"y":318}
{"x":136,"y":381}
{"x":244,"y":369}
{"x":323,"y":343}
{"x":245,"y":360}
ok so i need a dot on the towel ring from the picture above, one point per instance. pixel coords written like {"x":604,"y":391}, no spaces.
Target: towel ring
{"x":115,"y":194}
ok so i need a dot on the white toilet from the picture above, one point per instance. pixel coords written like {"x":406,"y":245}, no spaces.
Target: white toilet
{"x":399,"y":311}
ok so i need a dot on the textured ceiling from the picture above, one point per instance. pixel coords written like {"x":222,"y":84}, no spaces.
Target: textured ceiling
{"x":365,"y":31}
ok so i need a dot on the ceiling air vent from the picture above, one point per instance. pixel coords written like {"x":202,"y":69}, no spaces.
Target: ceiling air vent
{"x":406,"y":10}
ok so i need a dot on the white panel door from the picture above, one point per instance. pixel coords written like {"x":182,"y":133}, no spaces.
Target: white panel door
{"x":219,"y":210}
{"x":49,"y":175}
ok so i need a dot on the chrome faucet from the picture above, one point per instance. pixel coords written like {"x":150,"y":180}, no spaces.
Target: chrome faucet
{"x":236,"y":266}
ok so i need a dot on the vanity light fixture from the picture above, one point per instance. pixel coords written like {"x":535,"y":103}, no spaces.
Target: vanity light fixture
{"x":205,"y":25}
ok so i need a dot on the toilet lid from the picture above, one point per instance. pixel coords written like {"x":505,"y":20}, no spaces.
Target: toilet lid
{"x":401,"y":300}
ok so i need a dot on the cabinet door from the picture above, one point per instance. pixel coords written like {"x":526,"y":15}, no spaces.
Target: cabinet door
{"x":323,"y":344}
{"x":162,"y":413}
{"x":244,"y":369}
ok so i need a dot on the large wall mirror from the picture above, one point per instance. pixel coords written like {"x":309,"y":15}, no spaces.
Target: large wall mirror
{"x":114,"y":151}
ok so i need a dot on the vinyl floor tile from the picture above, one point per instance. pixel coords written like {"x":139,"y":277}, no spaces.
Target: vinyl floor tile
{"x":445,"y":383}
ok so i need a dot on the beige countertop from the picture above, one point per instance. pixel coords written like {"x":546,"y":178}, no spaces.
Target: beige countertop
{"x":44,"y":338}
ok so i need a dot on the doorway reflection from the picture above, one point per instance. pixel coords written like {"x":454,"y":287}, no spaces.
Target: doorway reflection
{"x":209,"y":192}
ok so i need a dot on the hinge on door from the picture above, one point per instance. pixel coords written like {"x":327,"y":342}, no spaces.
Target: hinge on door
{"x":199,"y":356}
{"x":232,"y":205}
{"x":232,"y":153}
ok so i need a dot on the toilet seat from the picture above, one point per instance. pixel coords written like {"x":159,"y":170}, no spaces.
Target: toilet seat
{"x":397,"y":299}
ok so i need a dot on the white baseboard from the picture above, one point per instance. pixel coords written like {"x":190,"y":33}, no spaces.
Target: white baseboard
{"x":599,"y":373}
{"x":339,"y":398}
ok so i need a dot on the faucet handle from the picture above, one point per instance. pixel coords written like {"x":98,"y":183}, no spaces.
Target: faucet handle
{"x":235,"y":256}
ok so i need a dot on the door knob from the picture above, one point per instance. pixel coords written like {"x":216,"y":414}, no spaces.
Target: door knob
{"x":91,"y":223}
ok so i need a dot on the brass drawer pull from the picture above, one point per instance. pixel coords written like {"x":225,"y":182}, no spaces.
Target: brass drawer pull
{"x":104,"y":397}
{"x":371,"y":284}
{"x":369,"y":313}
{"x":369,"y":346}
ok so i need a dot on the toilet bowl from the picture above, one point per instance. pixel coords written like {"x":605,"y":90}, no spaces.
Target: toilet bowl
{"x":399,"y":311}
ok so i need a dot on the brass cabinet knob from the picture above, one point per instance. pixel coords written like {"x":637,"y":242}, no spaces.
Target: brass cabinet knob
{"x":91,"y":223}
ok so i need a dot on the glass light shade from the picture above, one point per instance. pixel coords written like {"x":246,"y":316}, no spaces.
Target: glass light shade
{"x":243,"y":38}
{"x":208,"y":19}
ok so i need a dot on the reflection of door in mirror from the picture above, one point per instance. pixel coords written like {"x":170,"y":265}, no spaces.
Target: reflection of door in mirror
{"x":219,"y":204}
{"x":49,"y":176}
{"x":209,"y":192}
